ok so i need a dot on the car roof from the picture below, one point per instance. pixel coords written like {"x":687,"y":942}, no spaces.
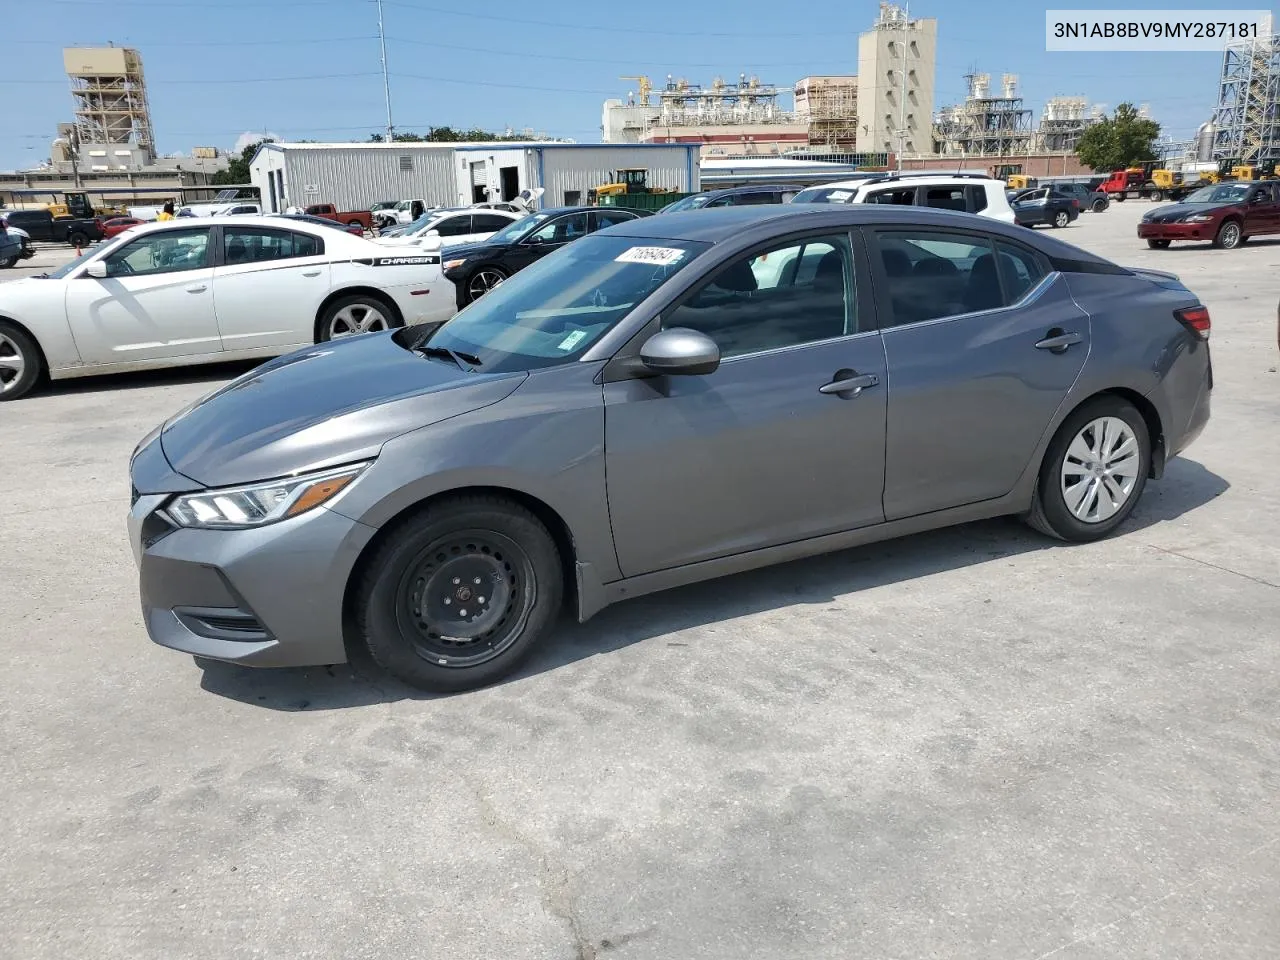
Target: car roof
{"x":724,"y":223}
{"x":751,"y":188}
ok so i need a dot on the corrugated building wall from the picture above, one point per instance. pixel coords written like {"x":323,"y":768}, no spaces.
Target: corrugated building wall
{"x":566,"y":170}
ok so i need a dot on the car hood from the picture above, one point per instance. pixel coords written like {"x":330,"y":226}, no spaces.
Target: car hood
{"x":325,"y":405}
{"x":469,"y":250}
{"x":1176,"y":211}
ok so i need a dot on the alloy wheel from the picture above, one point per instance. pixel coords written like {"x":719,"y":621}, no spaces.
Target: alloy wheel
{"x":357,"y":318}
{"x":12,"y":363}
{"x":466,"y":598}
{"x":1229,"y":236}
{"x":1061,"y":219}
{"x":1100,"y":469}
{"x":482,"y":281}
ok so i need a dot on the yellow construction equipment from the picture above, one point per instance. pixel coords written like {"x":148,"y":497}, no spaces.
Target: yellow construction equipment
{"x":1019,"y":181}
{"x":643,"y":88}
{"x":634,"y":180}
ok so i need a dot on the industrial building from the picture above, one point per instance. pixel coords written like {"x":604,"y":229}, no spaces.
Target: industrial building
{"x":110,"y":94}
{"x":828,"y":106}
{"x":896,"y":70}
{"x":725,"y":118}
{"x":1247,"y":118}
{"x":353,"y":176}
{"x":985,"y":124}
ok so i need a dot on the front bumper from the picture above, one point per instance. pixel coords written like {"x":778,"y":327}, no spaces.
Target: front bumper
{"x":1175,"y":231}
{"x":265,"y":597}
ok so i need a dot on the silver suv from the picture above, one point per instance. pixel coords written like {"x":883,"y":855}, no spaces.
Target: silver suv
{"x":974,"y":193}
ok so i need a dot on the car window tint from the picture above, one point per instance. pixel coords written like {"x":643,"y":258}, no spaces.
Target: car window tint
{"x":488,"y":223}
{"x":608,"y":218}
{"x":562,"y":229}
{"x":754,"y":199}
{"x":258,"y":244}
{"x":1021,"y":268}
{"x":453,"y":226}
{"x":167,"y":252}
{"x":977,"y":198}
{"x":799,"y":292}
{"x":945,"y":198}
{"x":903,"y":196}
{"x":935,"y":275}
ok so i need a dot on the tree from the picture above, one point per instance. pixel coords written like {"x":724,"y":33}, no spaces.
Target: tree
{"x":445,"y":135}
{"x":238,"y":168}
{"x":1121,"y":140}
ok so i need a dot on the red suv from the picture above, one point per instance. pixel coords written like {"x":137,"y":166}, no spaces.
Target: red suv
{"x":1227,"y":214}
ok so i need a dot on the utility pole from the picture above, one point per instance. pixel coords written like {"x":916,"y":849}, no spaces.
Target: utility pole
{"x":386,"y":83}
{"x":906,"y":80}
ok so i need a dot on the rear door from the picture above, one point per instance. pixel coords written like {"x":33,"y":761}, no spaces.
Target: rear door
{"x":549,"y":237}
{"x":603,"y":219}
{"x":968,"y":325}
{"x":268,"y":286}
{"x":485,"y":225}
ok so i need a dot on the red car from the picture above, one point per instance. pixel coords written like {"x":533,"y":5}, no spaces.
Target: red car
{"x":1226,"y":214}
{"x":118,"y":225}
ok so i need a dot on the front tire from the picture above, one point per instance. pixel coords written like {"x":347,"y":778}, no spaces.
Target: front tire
{"x":1229,"y":236}
{"x":1159,"y":244}
{"x":7,"y":262}
{"x":458,"y":596}
{"x":482,"y":281}
{"x":1099,"y":206}
{"x":1061,"y":219}
{"x":21,"y":362}
{"x":354,"y":315}
{"x":1156,"y":196}
{"x":78,"y":239}
{"x":1094,"y":471}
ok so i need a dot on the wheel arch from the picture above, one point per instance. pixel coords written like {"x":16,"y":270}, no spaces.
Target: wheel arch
{"x":1150,"y":416}
{"x":19,"y":325}
{"x":350,"y":291}
{"x":550,"y":518}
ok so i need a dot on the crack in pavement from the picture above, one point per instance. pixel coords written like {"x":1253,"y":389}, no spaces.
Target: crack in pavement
{"x":1211,"y":564}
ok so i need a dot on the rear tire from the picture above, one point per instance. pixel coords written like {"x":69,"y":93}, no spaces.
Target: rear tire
{"x":1229,"y":236}
{"x":21,"y":362}
{"x":1093,"y":473}
{"x":1099,"y":206}
{"x":78,"y":239}
{"x":1159,"y":244}
{"x":354,"y":315}
{"x":356,"y":223}
{"x":1061,"y":219}
{"x":1156,"y":196}
{"x":459,"y":595}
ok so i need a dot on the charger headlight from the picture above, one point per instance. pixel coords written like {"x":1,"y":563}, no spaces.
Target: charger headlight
{"x":258,"y":504}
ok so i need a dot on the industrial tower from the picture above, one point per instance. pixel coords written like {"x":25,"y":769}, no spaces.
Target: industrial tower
{"x":985,"y":125}
{"x":110,"y":96}
{"x":896,"y":65}
{"x":1247,"y":119}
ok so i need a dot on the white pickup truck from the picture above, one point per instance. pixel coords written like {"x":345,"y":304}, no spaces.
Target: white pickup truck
{"x":406,"y":211}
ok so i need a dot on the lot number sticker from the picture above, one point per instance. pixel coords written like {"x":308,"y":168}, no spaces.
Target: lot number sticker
{"x":840,"y":195}
{"x":573,"y":339}
{"x":656,"y":256}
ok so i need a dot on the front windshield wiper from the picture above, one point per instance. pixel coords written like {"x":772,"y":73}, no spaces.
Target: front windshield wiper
{"x":465,"y":361}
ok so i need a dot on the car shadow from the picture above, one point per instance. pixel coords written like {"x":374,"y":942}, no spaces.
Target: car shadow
{"x":813,"y":582}
{"x":141,"y":379}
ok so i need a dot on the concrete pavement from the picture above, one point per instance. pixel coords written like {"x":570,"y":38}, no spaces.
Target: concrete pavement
{"x":971,"y":743}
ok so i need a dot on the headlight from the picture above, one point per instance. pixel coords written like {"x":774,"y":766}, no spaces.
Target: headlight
{"x":257,"y":504}
{"x":453,"y":264}
{"x":1197,"y":218}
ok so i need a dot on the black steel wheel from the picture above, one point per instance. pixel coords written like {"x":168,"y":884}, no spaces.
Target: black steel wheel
{"x":455,"y":597}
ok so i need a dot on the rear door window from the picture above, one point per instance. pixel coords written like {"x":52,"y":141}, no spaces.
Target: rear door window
{"x":899,"y":196}
{"x":945,"y":198}
{"x":977,"y":198}
{"x":935,"y":275}
{"x":1020,"y":269}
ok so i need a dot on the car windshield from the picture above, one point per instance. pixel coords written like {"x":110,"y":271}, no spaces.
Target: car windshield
{"x":1220,"y":193}
{"x":836,"y":194}
{"x":688,"y":203}
{"x":553,"y":311}
{"x":518,"y":228}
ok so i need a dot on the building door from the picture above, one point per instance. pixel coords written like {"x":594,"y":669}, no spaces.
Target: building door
{"x":510,"y":178}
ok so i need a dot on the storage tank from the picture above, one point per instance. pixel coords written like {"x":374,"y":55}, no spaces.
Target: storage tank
{"x":1204,"y":141}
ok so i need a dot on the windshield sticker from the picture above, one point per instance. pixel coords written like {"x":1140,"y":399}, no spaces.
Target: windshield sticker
{"x":657,"y":256}
{"x":575,"y":338}
{"x":840,"y":195}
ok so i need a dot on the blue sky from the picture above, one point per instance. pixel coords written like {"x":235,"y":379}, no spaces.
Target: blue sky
{"x":310,"y":68}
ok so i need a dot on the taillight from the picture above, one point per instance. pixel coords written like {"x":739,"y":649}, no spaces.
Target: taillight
{"x":1195,"y":319}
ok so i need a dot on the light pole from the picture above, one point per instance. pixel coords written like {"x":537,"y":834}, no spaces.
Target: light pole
{"x":386,"y":84}
{"x":902,"y":124}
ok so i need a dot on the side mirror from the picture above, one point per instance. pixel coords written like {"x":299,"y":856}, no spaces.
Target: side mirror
{"x":535,"y":241}
{"x":680,"y":352}
{"x":432,"y":242}
{"x":97,"y":270}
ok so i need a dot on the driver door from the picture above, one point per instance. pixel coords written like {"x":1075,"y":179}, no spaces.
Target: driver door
{"x":155,"y":302}
{"x":551,"y":236}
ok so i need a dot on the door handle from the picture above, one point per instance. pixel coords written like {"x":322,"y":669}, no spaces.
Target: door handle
{"x":1059,"y":340}
{"x":848,"y":383}
{"x":311,"y":273}
{"x":198,"y":288}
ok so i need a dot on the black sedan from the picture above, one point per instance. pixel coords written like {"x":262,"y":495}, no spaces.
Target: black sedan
{"x":476,"y":268}
{"x":1044,"y":205}
{"x":353,"y":228}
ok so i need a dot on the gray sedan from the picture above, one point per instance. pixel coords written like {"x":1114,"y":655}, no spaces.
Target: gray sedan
{"x":670,"y":400}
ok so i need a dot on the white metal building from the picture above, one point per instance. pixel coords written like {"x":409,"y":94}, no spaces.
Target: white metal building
{"x":354,"y":176}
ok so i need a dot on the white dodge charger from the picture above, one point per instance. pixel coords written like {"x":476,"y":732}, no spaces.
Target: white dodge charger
{"x":184,"y":292}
